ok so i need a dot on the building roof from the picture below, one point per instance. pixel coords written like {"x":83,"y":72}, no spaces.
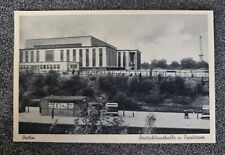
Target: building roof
{"x":79,"y":41}
{"x":61,"y":37}
{"x":134,"y":50}
{"x":64,"y":98}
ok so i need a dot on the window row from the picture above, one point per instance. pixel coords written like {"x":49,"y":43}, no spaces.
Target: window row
{"x":93,"y":57}
{"x":56,"y":66}
{"x":32,"y":53}
{"x":49,"y":56}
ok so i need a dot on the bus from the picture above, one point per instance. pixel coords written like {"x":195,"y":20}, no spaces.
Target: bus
{"x":111,"y":109}
{"x":205,"y":111}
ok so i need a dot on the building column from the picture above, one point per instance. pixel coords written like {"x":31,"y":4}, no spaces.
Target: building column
{"x":104,"y":57}
{"x":64,"y":55}
{"x":117,"y":63}
{"x":127,"y":60}
{"x":77,"y":55}
{"x":23,"y":56}
{"x":84,"y":58}
{"x":71,"y":55}
{"x":90,"y":57}
{"x":121,"y":59}
{"x":135,"y":61}
{"x":97,"y":57}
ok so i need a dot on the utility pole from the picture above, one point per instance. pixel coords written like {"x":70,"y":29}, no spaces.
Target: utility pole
{"x":200,"y":45}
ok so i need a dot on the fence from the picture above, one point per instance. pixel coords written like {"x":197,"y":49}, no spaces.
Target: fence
{"x":145,"y":73}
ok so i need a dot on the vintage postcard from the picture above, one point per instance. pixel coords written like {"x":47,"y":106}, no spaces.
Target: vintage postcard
{"x":114,"y":77}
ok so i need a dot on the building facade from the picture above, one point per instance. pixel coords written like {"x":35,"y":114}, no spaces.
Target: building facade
{"x":73,"y":54}
{"x":129,"y":59}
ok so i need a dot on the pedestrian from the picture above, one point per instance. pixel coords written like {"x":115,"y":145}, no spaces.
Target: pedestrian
{"x":133,"y":114}
{"x":186,"y":114}
{"x":140,"y":77}
{"x":52,"y":113}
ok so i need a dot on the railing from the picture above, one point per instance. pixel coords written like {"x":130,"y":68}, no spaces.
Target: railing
{"x":146,"y":73}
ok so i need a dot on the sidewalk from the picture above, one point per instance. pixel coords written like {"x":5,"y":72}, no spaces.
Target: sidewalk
{"x":163,"y":119}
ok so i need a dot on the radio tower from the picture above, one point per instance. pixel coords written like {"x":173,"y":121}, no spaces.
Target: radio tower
{"x":200,"y":54}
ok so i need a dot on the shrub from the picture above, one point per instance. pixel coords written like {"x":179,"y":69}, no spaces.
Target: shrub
{"x":137,"y":86}
{"x":125,"y":102}
{"x":72,"y":86}
{"x":183,"y":100}
{"x":173,"y":87}
{"x":152,"y":99}
{"x":88,"y":92}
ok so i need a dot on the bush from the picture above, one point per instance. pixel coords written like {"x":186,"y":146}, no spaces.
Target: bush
{"x":112,"y":85}
{"x":139,"y":86}
{"x":93,"y":78}
{"x":125,"y":102}
{"x":105,"y":82}
{"x":52,"y":83}
{"x":183,"y":100}
{"x":173,"y":87}
{"x":88,"y":92}
{"x":72,"y":86}
{"x":152,"y":99}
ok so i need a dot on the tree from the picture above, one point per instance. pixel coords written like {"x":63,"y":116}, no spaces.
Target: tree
{"x":105,"y":82}
{"x":52,"y":83}
{"x":188,"y":63}
{"x":88,"y":92}
{"x":162,"y":63}
{"x":154,"y":63}
{"x":92,"y":122}
{"x":38,"y":86}
{"x":72,"y":86}
{"x":175,"y":65}
{"x":145,"y":65}
{"x":159,"y":63}
{"x":202,"y":64}
{"x":121,"y":100}
{"x":25,"y":89}
{"x":111,"y":84}
{"x":148,"y":129}
{"x":173,"y":87}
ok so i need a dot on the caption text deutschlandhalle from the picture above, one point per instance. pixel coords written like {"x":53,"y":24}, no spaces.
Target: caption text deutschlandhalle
{"x":169,"y":137}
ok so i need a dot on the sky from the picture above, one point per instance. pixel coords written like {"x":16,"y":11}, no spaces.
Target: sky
{"x":170,"y":37}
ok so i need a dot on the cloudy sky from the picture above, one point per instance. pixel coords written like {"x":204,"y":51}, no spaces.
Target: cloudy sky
{"x":172,"y":37}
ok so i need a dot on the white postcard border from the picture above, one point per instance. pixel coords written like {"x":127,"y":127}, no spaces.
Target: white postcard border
{"x":115,"y":138}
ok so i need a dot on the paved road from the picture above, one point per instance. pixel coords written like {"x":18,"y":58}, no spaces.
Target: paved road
{"x":163,"y":119}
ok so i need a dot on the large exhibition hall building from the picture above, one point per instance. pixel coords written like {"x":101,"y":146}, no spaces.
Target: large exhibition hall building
{"x":76,"y":53}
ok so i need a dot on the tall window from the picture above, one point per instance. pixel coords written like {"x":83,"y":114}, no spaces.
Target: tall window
{"x":74,"y":55}
{"x":87,"y":57}
{"x":124,"y":59}
{"x":68,"y":55}
{"x":94,"y":57}
{"x":31,"y":56}
{"x":119,"y":59}
{"x":26,"y":56}
{"x":21,"y":56}
{"x":49,"y":55}
{"x":37,"y":56}
{"x":81,"y":57}
{"x":61,"y":55}
{"x":100,"y":57}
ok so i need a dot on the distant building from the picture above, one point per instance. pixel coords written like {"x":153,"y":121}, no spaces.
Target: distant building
{"x":129,"y":59}
{"x":63,"y":105}
{"x":75,"y":53}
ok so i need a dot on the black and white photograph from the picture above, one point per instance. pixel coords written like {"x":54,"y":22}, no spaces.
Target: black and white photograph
{"x":114,"y":76}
